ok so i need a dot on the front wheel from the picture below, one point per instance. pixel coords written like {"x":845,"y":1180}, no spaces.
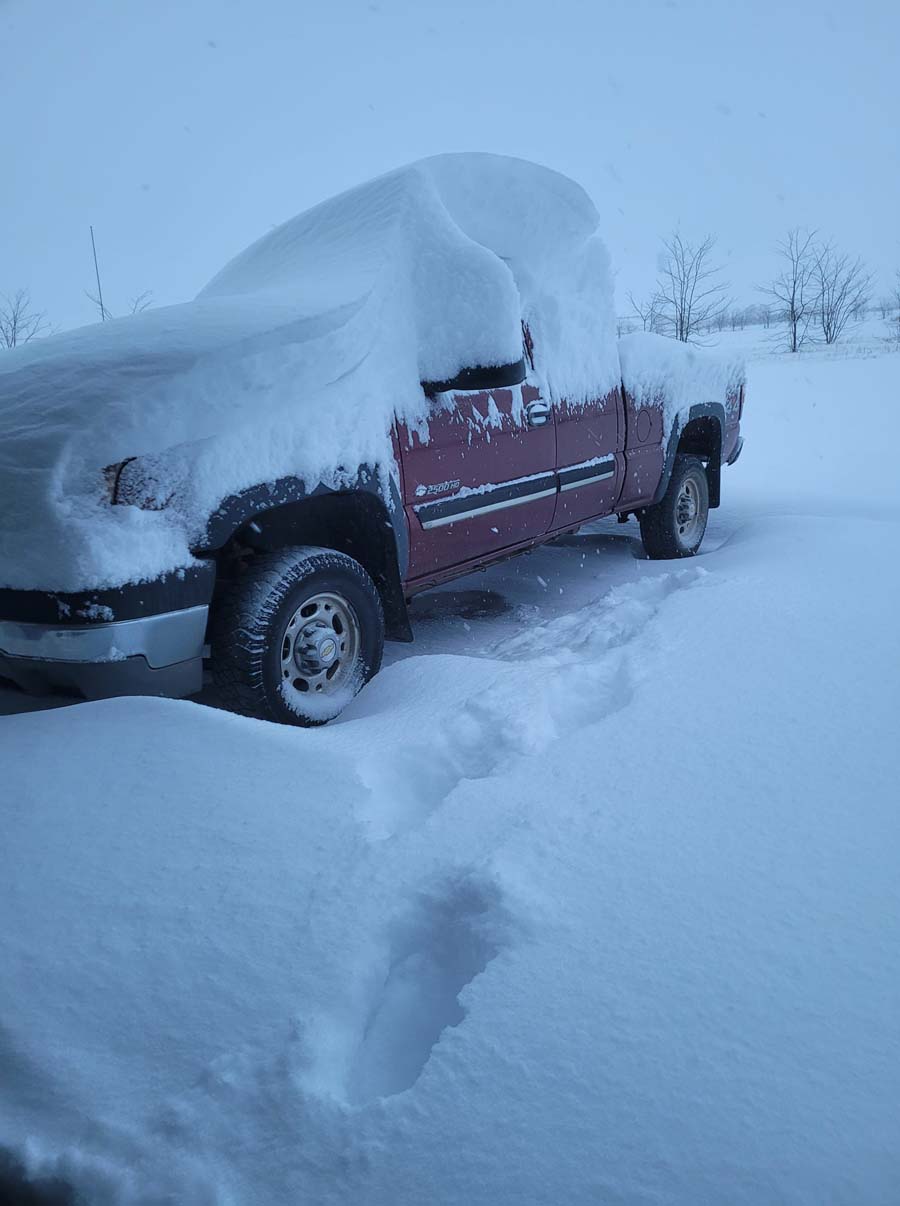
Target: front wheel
{"x":674,"y":526}
{"x":297,"y":636}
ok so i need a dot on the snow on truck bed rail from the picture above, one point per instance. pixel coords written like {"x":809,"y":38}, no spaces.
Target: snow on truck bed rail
{"x":661,"y":371}
{"x":314,"y":337}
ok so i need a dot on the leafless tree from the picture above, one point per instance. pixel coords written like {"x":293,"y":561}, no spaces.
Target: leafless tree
{"x":690,"y":289}
{"x":19,"y":323}
{"x":794,"y":291}
{"x":648,"y":312}
{"x":97,"y":302}
{"x":844,"y":288}
{"x":137,"y":305}
{"x":897,"y":299}
{"x":758,"y":315}
{"x":142,"y":302}
{"x":740,"y":316}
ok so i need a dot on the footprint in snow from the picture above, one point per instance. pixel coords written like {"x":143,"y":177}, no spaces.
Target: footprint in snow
{"x":435,"y":950}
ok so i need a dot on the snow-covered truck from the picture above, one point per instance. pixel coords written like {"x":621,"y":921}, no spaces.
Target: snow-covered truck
{"x":405,"y":383}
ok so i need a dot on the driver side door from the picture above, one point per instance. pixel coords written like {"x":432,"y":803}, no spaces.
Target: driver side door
{"x":482,"y":479}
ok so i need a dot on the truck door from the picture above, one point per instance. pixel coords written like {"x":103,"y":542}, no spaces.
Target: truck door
{"x":483,"y":477}
{"x":590,"y":442}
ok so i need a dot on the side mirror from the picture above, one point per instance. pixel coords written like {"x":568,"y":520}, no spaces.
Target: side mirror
{"x":496,"y":377}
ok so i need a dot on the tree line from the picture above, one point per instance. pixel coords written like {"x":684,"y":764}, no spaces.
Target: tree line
{"x":816,"y":292}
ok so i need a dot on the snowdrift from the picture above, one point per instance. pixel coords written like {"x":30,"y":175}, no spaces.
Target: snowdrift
{"x":314,"y":337}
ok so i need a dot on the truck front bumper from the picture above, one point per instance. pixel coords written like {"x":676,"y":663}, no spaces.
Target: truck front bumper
{"x":160,"y":654}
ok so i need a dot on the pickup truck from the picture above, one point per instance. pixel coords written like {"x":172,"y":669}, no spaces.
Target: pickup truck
{"x":294,"y":582}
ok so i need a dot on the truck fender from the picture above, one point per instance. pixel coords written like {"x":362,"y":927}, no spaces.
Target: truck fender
{"x":706,"y":443}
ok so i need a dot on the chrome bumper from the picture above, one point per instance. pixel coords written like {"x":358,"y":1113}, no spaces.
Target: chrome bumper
{"x":156,"y":654}
{"x":171,"y":637}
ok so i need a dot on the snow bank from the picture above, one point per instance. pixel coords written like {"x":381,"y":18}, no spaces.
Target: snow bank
{"x":295,"y":358}
{"x":662,"y":372}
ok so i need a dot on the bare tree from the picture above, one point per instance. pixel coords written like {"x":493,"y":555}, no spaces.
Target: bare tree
{"x":739,"y":317}
{"x":648,"y":312}
{"x":97,"y":301}
{"x":897,"y":299}
{"x":19,"y":323}
{"x":844,"y":289}
{"x":758,"y":315}
{"x":794,"y":291}
{"x":137,"y":305}
{"x":690,"y":290}
{"x":142,"y":302}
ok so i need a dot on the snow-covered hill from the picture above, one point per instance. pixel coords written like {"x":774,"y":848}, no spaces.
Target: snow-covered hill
{"x":591,"y":897}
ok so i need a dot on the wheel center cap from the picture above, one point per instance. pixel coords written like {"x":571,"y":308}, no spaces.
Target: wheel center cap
{"x":316,"y":648}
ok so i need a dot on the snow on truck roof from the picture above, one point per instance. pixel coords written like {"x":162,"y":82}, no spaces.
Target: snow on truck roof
{"x":336,"y":316}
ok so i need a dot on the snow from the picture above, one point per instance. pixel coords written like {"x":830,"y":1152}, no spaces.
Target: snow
{"x":295,"y":359}
{"x":658,"y":371}
{"x":588,"y":897}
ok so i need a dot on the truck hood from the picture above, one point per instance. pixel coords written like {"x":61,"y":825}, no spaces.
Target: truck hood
{"x":166,"y":376}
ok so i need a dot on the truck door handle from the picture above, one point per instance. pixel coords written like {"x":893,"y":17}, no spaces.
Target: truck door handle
{"x":537,"y":413}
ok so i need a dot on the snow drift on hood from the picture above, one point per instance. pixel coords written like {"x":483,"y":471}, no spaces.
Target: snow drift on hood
{"x":314,"y":337}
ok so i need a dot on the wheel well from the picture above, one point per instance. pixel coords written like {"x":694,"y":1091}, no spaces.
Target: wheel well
{"x":703,"y":437}
{"x":356,"y":523}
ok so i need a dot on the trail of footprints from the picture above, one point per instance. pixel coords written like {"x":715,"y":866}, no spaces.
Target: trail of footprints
{"x":552,"y":679}
{"x":561,"y":676}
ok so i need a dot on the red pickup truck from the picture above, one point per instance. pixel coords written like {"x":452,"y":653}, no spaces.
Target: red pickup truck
{"x":294,"y":583}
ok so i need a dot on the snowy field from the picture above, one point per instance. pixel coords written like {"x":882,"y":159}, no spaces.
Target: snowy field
{"x":591,"y":897}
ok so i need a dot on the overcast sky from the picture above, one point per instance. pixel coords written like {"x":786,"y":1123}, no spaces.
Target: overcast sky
{"x":183,"y":129}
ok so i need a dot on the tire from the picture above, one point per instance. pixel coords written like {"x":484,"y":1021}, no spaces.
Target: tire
{"x":674,"y":527}
{"x":297,"y":636}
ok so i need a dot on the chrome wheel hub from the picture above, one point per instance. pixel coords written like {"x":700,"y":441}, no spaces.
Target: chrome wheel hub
{"x":320,"y":645}
{"x":688,"y":515}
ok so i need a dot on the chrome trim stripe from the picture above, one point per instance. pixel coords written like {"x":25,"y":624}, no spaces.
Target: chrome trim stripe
{"x":586,"y":473}
{"x":443,"y":520}
{"x":163,"y":639}
{"x":441,"y":511}
{"x":588,"y":481}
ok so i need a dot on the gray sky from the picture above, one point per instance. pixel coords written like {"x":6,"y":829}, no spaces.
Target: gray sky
{"x":183,"y":129}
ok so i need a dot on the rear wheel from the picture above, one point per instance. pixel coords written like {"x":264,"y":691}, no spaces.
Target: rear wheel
{"x":297,"y":636}
{"x":674,"y":526}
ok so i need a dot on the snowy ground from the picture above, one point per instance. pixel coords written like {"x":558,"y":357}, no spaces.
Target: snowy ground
{"x":591,"y":897}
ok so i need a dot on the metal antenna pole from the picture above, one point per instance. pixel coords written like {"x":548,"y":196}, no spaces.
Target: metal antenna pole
{"x":97,"y":272}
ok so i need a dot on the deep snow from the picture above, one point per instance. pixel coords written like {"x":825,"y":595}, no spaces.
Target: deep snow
{"x":591,"y":896}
